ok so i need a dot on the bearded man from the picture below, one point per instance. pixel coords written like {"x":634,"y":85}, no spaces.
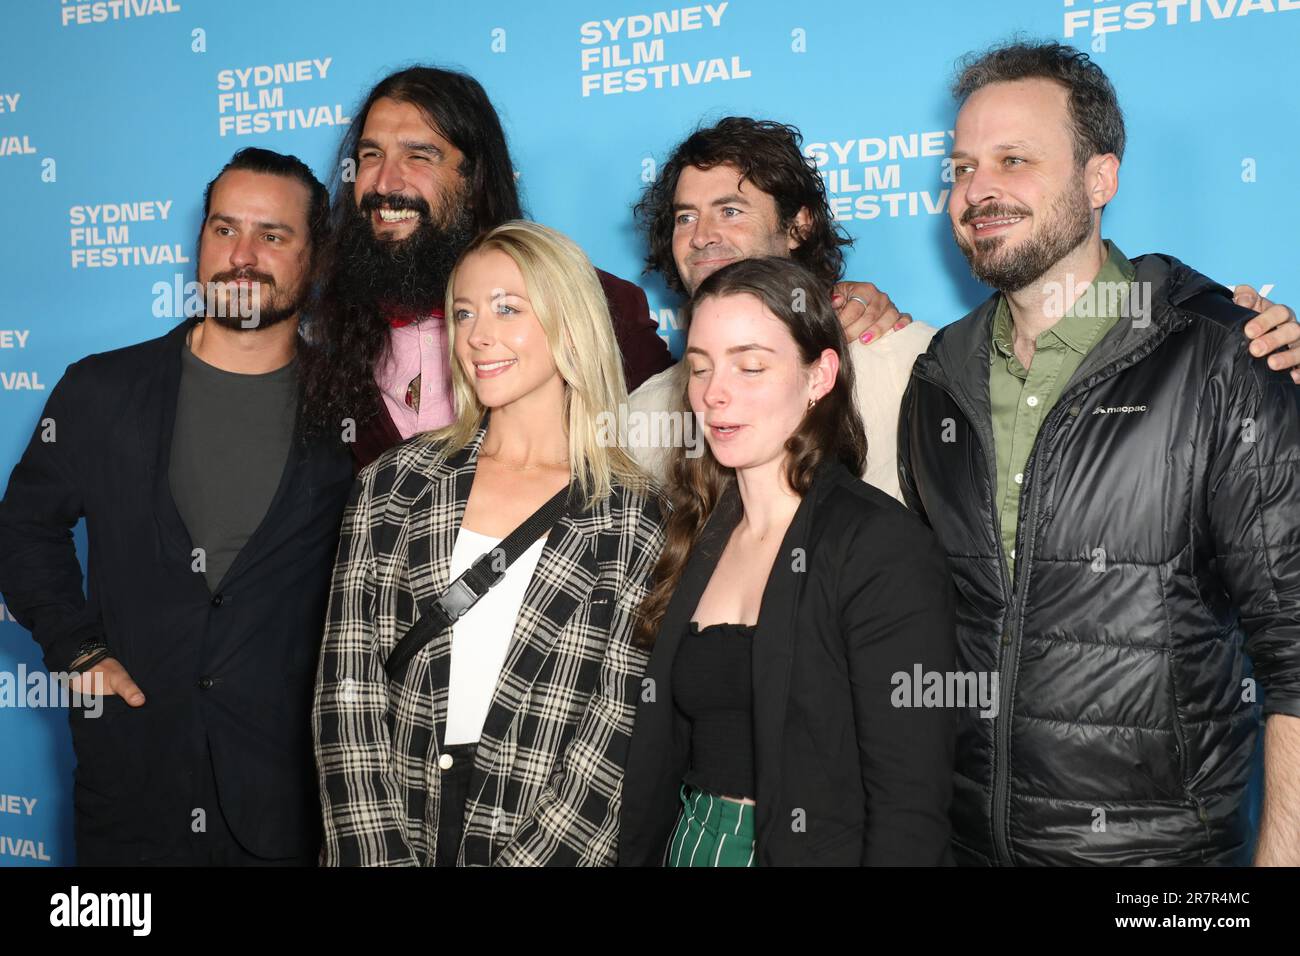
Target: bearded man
{"x":423,"y":169}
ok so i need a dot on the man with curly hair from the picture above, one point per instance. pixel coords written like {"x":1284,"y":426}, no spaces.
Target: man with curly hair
{"x":743,"y":188}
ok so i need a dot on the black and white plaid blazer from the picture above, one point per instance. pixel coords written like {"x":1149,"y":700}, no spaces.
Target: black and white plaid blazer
{"x":548,"y":773}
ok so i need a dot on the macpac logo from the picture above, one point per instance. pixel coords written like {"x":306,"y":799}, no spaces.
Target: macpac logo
{"x":102,"y":909}
{"x":1118,"y":409}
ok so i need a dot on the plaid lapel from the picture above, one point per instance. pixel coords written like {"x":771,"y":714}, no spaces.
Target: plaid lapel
{"x":566,"y":573}
{"x":434,"y":521}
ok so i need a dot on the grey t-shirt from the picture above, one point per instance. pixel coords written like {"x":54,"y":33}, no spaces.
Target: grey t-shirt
{"x":229,"y":447}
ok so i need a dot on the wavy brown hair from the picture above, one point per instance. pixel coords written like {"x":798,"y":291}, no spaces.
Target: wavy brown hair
{"x":767,"y":154}
{"x":830,"y":430}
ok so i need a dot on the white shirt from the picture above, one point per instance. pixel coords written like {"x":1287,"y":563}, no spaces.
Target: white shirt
{"x":481,"y":639}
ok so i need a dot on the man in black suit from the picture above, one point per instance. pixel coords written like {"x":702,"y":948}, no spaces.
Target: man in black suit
{"x":211,"y":528}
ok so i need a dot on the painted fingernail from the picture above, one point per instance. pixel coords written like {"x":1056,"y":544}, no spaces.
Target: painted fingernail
{"x":898,"y":326}
{"x":868,"y":337}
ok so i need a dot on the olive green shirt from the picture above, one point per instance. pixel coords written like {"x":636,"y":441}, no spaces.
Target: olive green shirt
{"x":1021,"y":397}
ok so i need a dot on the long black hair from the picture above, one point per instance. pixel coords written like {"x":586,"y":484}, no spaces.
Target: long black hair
{"x":348,"y":339}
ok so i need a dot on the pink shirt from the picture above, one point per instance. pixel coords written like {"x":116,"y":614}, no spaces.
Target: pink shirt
{"x":418,"y":348}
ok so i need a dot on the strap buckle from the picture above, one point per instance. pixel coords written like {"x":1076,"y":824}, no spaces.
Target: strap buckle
{"x":456,"y":600}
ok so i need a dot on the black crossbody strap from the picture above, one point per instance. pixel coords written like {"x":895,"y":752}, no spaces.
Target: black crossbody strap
{"x":473,"y":583}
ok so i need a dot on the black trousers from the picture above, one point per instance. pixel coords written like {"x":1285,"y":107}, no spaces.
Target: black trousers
{"x":453,"y":796}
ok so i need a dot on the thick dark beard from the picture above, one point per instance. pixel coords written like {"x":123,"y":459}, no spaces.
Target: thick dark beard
{"x":409,"y":274}
{"x":1068,"y":226}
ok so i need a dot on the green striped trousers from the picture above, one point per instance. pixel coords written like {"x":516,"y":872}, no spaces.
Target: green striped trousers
{"x":712,"y":831}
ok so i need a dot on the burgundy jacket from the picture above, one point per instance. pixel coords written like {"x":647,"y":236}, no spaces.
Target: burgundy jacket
{"x":644,"y":354}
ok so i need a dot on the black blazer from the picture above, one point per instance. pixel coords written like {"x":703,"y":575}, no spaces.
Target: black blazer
{"x":859,"y":591}
{"x":233,"y":670}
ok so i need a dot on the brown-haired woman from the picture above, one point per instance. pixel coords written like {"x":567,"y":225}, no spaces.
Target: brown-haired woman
{"x":788,"y":599}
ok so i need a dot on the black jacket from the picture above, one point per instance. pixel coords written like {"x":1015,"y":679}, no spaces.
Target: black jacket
{"x":233,"y":670}
{"x":1159,"y":535}
{"x":859,"y":592}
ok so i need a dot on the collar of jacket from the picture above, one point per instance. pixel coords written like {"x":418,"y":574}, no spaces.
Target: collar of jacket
{"x":958,"y":356}
{"x":157,"y":434}
{"x":658,"y":753}
{"x":435,"y":466}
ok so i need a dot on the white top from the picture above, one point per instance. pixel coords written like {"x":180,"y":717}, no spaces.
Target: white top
{"x":481,"y":639}
{"x":881,"y":371}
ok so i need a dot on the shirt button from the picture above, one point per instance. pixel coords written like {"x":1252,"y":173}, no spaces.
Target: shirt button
{"x":1013,"y":554}
{"x":445,"y":761}
{"x":217,"y":600}
{"x":205,"y":683}
{"x":428,"y":339}
{"x":1019,"y":478}
{"x":1032,"y":401}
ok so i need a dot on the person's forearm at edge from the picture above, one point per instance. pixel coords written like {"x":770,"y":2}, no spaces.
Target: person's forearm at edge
{"x":1279,"y":829}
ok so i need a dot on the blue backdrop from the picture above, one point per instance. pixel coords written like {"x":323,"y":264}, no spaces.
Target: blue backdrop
{"x":115,"y":113}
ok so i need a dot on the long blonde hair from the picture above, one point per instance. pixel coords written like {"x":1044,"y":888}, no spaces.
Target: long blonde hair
{"x":568,"y":300}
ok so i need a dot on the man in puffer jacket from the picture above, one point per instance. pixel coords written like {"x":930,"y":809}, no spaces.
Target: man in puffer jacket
{"x":1117,"y":484}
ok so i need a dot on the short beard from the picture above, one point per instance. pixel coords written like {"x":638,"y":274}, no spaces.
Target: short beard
{"x":1068,"y":225}
{"x":264,"y":319}
{"x":408,"y":274}
{"x":276,"y":310}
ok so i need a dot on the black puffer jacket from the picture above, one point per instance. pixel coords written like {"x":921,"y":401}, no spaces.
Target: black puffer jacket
{"x":1159,"y":536}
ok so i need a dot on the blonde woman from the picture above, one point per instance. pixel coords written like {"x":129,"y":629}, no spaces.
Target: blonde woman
{"x":502,"y":741}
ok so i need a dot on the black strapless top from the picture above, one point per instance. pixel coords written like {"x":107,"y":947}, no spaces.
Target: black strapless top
{"x":713,"y":685}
